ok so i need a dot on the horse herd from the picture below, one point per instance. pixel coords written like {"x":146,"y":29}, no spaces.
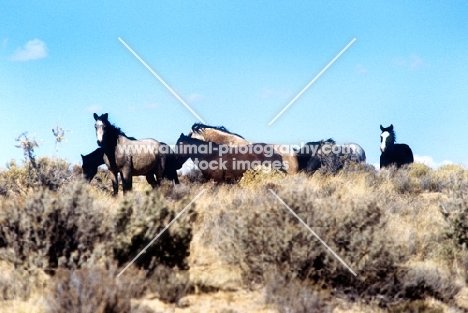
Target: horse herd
{"x":221,"y":155}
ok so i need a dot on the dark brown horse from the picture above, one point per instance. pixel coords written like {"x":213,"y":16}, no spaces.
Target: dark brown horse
{"x":127,"y":156}
{"x":92,"y":161}
{"x":224,"y":163}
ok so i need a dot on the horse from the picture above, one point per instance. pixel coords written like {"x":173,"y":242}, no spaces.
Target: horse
{"x":224,"y":163}
{"x":328,"y":155}
{"x":92,"y":161}
{"x":127,"y":156}
{"x":393,"y":153}
{"x":221,"y":136}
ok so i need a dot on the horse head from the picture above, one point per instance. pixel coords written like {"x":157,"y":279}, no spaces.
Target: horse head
{"x":101,"y":123}
{"x":387,"y":137}
{"x":89,"y":170}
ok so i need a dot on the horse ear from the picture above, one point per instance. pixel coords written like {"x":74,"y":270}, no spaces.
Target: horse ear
{"x":104,"y":116}
{"x":391,"y":127}
{"x":95,"y":116}
{"x":381,"y":128}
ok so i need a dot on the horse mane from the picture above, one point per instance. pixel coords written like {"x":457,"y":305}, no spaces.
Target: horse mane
{"x":116,"y":131}
{"x":392,"y":133}
{"x":321,"y":142}
{"x":198,"y":128}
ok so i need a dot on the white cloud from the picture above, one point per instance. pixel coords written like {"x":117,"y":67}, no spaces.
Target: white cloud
{"x":429,"y":161}
{"x":32,"y":50}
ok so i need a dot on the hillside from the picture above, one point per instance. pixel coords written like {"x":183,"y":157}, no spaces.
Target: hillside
{"x":237,"y":248}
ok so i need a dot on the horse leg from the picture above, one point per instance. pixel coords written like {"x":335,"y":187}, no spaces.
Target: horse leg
{"x":150,"y":179}
{"x":127,"y":179}
{"x":159,"y":168}
{"x":115,"y":182}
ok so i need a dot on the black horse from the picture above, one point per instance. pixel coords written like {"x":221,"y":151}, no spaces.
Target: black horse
{"x":393,"y":153}
{"x":92,"y":161}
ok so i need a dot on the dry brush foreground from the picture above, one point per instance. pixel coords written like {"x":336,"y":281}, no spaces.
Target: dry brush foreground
{"x":237,"y":249}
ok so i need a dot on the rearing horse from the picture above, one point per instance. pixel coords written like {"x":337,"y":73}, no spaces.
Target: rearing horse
{"x":221,"y":136}
{"x":127,"y":156}
{"x":393,"y":153}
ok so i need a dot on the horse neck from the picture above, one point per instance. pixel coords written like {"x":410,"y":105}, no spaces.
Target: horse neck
{"x":222,"y":138}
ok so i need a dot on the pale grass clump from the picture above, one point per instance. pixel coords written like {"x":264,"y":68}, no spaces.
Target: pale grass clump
{"x":261,"y":176}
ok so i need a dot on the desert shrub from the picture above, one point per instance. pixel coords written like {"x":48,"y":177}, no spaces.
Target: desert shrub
{"x":14,"y":179}
{"x":456,"y":214}
{"x":14,"y":285}
{"x":91,"y":290}
{"x":139,"y":220}
{"x":402,"y":182}
{"x":168,"y":283}
{"x":417,"y":306}
{"x":265,"y":233}
{"x":361,"y":167}
{"x":260,"y":176}
{"x":418,"y":170}
{"x":51,"y":230}
{"x":51,"y":173}
{"x":293,"y":296}
{"x":420,"y":282}
{"x":102,"y":181}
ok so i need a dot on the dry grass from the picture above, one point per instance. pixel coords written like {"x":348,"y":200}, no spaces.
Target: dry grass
{"x":402,"y":231}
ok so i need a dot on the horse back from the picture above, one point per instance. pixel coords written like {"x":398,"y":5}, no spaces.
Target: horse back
{"x":140,"y":155}
{"x":405,"y":154}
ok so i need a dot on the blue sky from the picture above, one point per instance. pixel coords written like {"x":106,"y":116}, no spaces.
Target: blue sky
{"x":237,"y":64}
